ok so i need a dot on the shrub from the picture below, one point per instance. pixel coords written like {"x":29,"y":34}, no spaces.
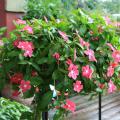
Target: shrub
{"x":54,"y":59}
{"x":11,"y":110}
{"x":42,"y":8}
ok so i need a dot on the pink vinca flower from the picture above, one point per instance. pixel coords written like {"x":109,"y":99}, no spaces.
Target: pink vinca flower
{"x":69,"y":61}
{"x":111,"y":47}
{"x":19,"y":22}
{"x":87,"y":72}
{"x":63,"y":35}
{"x":101,"y":85}
{"x":15,"y":93}
{"x":73,"y":71}
{"x":83,"y":43}
{"x":111,"y":87}
{"x":28,"y":47}
{"x":114,"y":64}
{"x":107,"y":20}
{"x":16,"y":43}
{"x":28,"y":53}
{"x":56,"y":56}
{"x":25,"y":85}
{"x":28,"y":29}
{"x":16,"y":78}
{"x":91,"y":55}
{"x":78,"y":86}
{"x":1,"y":43}
{"x":110,"y":71}
{"x":116,"y":55}
{"x":70,"y":105}
{"x":34,"y":73}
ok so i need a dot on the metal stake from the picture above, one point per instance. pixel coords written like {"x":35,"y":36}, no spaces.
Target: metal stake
{"x":100,"y":106}
{"x":44,"y":115}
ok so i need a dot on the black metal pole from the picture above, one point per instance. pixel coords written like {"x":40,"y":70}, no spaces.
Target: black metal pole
{"x":44,"y":115}
{"x":100,"y":107}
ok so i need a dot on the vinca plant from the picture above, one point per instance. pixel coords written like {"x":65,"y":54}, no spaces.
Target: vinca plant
{"x":54,"y":59}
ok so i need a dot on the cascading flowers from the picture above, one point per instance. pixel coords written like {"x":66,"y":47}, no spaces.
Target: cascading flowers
{"x":51,"y":61}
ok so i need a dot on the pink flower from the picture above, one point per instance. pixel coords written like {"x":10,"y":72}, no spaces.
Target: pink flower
{"x":87,"y":72}
{"x":111,"y":47}
{"x":78,"y":86}
{"x":110,"y":71}
{"x":27,"y":47}
{"x":19,"y":21}
{"x":15,"y":93}
{"x":83,"y":43}
{"x":28,"y":53}
{"x":90,"y":54}
{"x":107,"y":20}
{"x":56,"y":56}
{"x":116,"y":55}
{"x":114,"y":64}
{"x":70,"y":105}
{"x":111,"y":86}
{"x":73,"y":71}
{"x":1,"y":43}
{"x":101,"y":85}
{"x":63,"y":35}
{"x":69,"y":61}
{"x":16,"y":78}
{"x":34,"y":73}
{"x":28,"y":29}
{"x":117,"y":24}
{"x":25,"y":85}
{"x":16,"y":43}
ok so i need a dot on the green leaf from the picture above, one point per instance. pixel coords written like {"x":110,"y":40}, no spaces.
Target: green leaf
{"x":11,"y":110}
{"x":42,"y":60}
{"x":2,"y":30}
{"x":45,"y":100}
{"x":59,"y":114}
{"x":13,"y":53}
{"x":99,"y":90}
{"x":35,"y":81}
{"x":21,"y":57}
{"x":27,"y":116}
{"x":83,"y":29}
{"x":13,"y":36}
{"x":24,"y":62}
{"x":29,"y":93}
{"x":58,"y":74}
{"x":34,"y":65}
{"x":55,"y":75}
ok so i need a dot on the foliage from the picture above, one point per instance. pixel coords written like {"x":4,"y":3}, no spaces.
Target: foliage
{"x":57,"y":55}
{"x":11,"y":110}
{"x":2,"y":30}
{"x":107,"y":7}
{"x":57,"y":8}
{"x":112,"y":6}
{"x":41,"y":8}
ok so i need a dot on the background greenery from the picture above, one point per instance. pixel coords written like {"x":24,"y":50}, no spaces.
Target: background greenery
{"x":11,"y":110}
